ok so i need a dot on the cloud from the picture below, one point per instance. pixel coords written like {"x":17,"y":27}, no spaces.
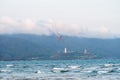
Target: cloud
{"x":28,"y":24}
{"x":11,"y":26}
{"x":41,"y":27}
{"x":58,"y":27}
{"x":8,"y":25}
{"x":104,"y":30}
{"x":7,"y":21}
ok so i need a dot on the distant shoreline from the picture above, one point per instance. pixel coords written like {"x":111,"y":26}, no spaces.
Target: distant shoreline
{"x":61,"y":59}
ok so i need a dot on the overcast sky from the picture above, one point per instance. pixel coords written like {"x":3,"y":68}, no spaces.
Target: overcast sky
{"x":86,"y":18}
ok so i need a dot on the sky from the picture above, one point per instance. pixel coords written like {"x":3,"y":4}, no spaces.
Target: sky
{"x":82,"y":18}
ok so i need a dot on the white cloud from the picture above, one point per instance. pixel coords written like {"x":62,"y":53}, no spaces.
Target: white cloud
{"x":8,"y":25}
{"x":28,"y":25}
{"x":104,"y":30}
{"x":48,"y":27}
{"x":8,"y":21}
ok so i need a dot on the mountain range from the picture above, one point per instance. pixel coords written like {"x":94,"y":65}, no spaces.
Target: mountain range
{"x":29,"y":46}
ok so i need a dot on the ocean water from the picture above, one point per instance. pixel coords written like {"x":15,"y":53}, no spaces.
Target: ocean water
{"x":104,"y":69}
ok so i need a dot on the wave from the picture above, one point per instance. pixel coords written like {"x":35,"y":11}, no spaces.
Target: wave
{"x":5,"y":71}
{"x":62,"y":70}
{"x":9,"y":65}
{"x":74,"y":67}
{"x":66,"y":70}
{"x":38,"y":71}
{"x":111,"y":65}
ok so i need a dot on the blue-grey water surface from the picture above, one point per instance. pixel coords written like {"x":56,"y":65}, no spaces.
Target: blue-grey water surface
{"x":104,"y":69}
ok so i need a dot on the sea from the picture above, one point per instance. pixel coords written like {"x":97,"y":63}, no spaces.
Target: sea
{"x":96,"y":69}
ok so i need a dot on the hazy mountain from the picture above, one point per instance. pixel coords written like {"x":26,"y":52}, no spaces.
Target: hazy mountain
{"x":26,"y":46}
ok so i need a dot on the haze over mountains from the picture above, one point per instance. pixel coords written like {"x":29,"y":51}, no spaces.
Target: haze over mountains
{"x":28,"y":46}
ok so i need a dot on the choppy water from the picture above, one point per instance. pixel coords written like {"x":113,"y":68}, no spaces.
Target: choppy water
{"x":60,"y":70}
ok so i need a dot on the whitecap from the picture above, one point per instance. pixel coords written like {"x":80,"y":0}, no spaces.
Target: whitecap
{"x":5,"y":71}
{"x":38,"y":71}
{"x":86,"y":71}
{"x":74,"y":67}
{"x":102,"y":72}
{"x":111,"y":65}
{"x":9,"y":65}
{"x":62,"y":70}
